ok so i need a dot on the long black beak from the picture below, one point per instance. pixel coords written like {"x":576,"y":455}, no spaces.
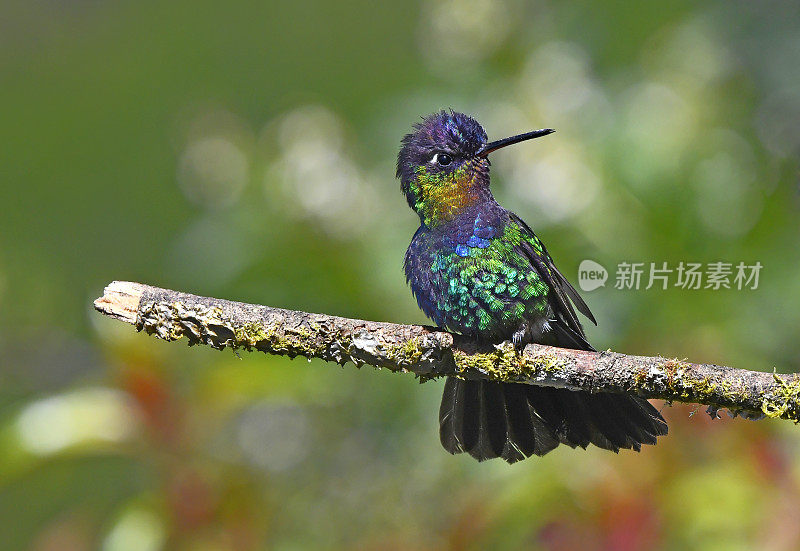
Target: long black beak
{"x":495,"y":145}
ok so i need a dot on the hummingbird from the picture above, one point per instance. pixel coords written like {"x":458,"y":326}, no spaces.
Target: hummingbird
{"x":478,"y":269}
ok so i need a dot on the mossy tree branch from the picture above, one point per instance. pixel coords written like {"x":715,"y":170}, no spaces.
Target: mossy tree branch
{"x":429,"y":353}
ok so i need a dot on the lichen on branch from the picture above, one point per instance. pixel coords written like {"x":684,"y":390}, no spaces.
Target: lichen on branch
{"x":429,"y":352}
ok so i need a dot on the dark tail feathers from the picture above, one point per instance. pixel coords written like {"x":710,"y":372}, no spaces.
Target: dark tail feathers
{"x":514,"y":421}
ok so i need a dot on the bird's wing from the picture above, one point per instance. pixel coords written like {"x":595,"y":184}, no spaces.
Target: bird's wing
{"x":562,"y":294}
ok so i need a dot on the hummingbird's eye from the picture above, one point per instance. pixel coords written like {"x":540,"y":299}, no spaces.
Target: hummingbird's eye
{"x":442,"y":159}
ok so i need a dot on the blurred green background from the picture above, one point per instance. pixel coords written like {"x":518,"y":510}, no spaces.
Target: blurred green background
{"x":246,"y":151}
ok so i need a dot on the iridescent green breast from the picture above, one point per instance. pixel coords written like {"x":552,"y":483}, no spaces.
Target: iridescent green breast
{"x":482,"y":283}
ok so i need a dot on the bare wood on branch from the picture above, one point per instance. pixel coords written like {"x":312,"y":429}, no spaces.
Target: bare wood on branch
{"x":429,"y":352}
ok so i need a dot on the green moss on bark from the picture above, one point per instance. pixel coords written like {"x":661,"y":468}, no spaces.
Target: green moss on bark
{"x":506,"y":364}
{"x":784,"y":401}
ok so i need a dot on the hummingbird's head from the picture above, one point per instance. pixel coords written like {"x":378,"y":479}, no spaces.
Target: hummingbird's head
{"x":443,"y":165}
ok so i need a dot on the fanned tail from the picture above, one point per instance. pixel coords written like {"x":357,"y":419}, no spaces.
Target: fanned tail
{"x":487,"y":419}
